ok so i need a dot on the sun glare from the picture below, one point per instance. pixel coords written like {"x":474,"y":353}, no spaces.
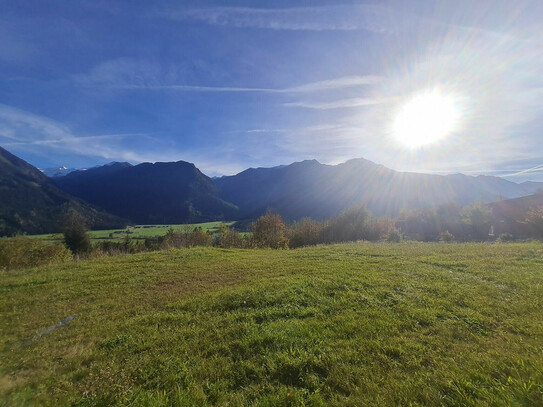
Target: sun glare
{"x":426,"y":119}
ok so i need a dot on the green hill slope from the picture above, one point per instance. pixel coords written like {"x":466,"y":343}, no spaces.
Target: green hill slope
{"x":343,"y":325}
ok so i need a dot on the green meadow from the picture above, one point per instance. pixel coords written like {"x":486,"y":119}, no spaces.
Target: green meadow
{"x":139,"y":231}
{"x":420,"y":324}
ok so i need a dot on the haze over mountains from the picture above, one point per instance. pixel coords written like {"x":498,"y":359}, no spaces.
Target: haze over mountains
{"x":177,"y":192}
{"x":309,"y":188}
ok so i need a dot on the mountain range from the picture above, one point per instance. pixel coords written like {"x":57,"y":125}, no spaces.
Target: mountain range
{"x":309,"y":188}
{"x":30,"y":202}
{"x":178,"y":192}
{"x":174,"y":192}
{"x":57,"y":171}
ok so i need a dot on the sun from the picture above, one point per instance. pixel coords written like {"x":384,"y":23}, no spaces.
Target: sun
{"x":426,"y":119}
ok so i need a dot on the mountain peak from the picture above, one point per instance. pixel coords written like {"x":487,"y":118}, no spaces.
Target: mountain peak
{"x":32,"y":203}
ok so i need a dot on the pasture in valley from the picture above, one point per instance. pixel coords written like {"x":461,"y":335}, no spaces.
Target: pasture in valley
{"x":139,"y":231}
{"x":344,"y":325}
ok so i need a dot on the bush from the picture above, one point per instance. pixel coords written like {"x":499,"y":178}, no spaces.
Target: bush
{"x":446,"y":237}
{"x":24,"y":252}
{"x":478,"y":217}
{"x":75,"y":234}
{"x":305,"y":232}
{"x":270,"y":231}
{"x":506,"y":237}
{"x":110,"y":248}
{"x":394,"y":236}
{"x":228,"y":238}
{"x":534,"y":219}
{"x":187,"y":238}
{"x":383,"y":228}
{"x":357,"y":223}
{"x":350,"y":225}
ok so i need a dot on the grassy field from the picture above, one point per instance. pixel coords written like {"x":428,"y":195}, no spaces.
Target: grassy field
{"x":139,"y":231}
{"x":343,"y":325}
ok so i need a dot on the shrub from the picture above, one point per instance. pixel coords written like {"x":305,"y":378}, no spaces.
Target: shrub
{"x":305,"y":232}
{"x":446,"y":237}
{"x":506,"y":237}
{"x":383,"y":227}
{"x":110,"y":248}
{"x":478,"y":217}
{"x":350,"y":225}
{"x":270,"y":231}
{"x":75,"y":234}
{"x":187,"y":238}
{"x":24,"y":252}
{"x":394,"y":236}
{"x":228,"y":238}
{"x":534,"y":218}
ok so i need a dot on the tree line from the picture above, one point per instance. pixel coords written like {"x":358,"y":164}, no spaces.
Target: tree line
{"x":446,"y":223}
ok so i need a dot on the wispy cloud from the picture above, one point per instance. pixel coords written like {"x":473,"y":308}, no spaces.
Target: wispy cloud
{"x":144,"y":75}
{"x":25,"y":131}
{"x":337,"y":104}
{"x":356,"y":17}
{"x":335,"y":83}
{"x":257,"y":131}
{"x":192,"y":88}
{"x":536,"y":169}
{"x":63,"y":141}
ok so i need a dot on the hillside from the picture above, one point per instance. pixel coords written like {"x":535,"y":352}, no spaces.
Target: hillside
{"x":174,"y":192}
{"x":312,"y":189}
{"x":511,"y":216}
{"x":31,"y":203}
{"x":343,"y":325}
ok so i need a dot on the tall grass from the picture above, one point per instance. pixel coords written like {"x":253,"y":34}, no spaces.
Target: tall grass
{"x":21,"y":252}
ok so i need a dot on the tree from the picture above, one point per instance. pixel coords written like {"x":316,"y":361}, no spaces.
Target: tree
{"x":446,"y":237}
{"x":228,"y":238}
{"x":479,"y":217}
{"x":269,"y":231}
{"x":75,"y":233}
{"x":534,"y":218}
{"x":350,"y":225}
{"x":305,"y":232}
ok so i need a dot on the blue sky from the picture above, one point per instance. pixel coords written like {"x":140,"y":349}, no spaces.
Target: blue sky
{"x":232,"y":85}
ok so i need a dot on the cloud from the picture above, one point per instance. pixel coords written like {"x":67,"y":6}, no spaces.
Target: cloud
{"x":24,"y":131}
{"x":192,"y":88}
{"x":536,"y":169}
{"x":131,"y":74}
{"x":337,"y":83}
{"x":337,"y":104}
{"x":344,"y":18}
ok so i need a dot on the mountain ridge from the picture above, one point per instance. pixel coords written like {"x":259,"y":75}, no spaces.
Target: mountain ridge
{"x":162,"y":192}
{"x":178,"y":192}
{"x":31,"y":203}
{"x":320,"y":190}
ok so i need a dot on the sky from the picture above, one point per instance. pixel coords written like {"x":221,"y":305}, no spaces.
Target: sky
{"x":229,"y":85}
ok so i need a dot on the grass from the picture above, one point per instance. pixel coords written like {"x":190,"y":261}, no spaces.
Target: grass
{"x":138,"y":231}
{"x":343,"y":325}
